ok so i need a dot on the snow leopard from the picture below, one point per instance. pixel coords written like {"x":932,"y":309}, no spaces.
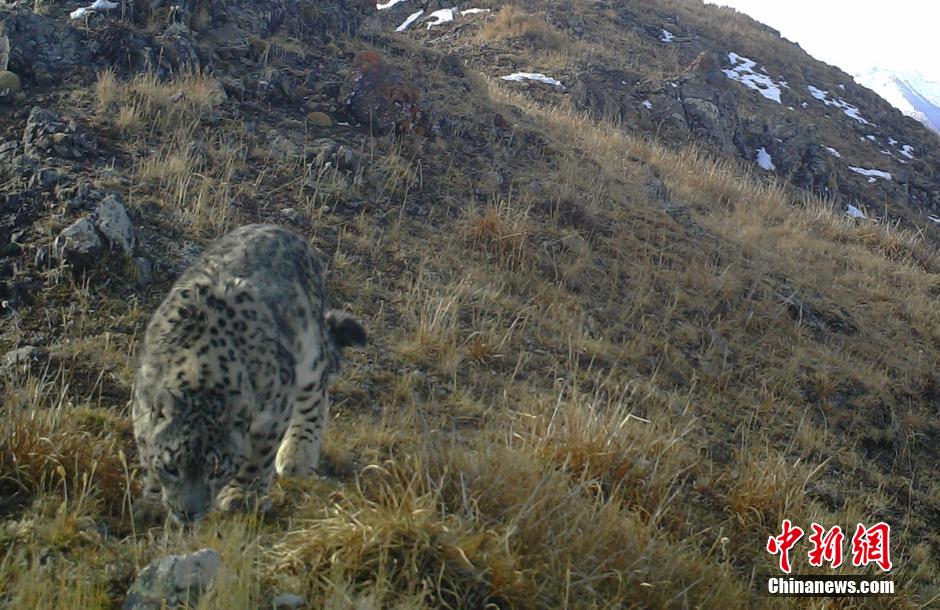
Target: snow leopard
{"x":233,"y":375}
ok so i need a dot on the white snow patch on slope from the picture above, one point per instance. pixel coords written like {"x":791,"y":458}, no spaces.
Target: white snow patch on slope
{"x":473,"y":11}
{"x":834,"y":152}
{"x":763,"y":159}
{"x":933,"y":218}
{"x":908,"y":151}
{"x":854,"y":212}
{"x":667,"y":36}
{"x":388,"y":4}
{"x":871,"y":174}
{"x":521,"y":76}
{"x":648,"y":104}
{"x":743,"y":71}
{"x":441,"y":16}
{"x":411,"y":19}
{"x":849,"y":110}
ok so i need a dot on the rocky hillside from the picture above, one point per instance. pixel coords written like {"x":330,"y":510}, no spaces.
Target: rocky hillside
{"x":642,"y":280}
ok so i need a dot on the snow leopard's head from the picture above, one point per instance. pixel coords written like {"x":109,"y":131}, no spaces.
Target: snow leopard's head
{"x":193,"y":453}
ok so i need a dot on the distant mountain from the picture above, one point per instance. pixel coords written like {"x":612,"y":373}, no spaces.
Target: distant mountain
{"x":911,"y":93}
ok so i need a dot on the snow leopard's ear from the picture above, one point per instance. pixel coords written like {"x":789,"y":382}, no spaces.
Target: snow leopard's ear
{"x":346,"y":330}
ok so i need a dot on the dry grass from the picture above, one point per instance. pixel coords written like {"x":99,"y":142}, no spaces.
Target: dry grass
{"x":513,"y":24}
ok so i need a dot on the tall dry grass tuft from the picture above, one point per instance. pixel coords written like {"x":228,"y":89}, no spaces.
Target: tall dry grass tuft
{"x":511,"y":23}
{"x":45,"y":449}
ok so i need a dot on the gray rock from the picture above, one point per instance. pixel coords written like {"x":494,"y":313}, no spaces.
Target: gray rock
{"x":4,"y":48}
{"x":282,"y":149}
{"x":288,"y":601}
{"x":173,"y":581}
{"x":48,"y":133}
{"x":43,"y":48}
{"x":111,"y":219}
{"x":78,"y":242}
{"x":144,"y":269}
{"x":19,"y":359}
{"x":45,"y":178}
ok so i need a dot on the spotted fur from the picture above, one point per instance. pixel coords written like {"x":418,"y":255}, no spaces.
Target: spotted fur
{"x":233,"y":375}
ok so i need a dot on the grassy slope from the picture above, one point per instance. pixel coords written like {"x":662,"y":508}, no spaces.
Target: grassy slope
{"x":589,"y":384}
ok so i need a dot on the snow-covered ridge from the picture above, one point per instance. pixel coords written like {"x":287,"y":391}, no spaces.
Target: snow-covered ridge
{"x":742,"y":70}
{"x":911,"y":93}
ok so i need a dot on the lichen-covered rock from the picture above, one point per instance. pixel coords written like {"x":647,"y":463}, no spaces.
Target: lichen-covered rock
{"x":173,"y":581}
{"x":48,"y":133}
{"x":9,"y":80}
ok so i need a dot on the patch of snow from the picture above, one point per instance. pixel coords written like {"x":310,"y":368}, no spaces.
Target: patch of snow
{"x":908,"y":151}
{"x":834,"y":152}
{"x":763,"y":159}
{"x":871,"y":173}
{"x":473,"y":11}
{"x":411,"y":19}
{"x":441,"y":16}
{"x":790,"y":108}
{"x":521,"y":76}
{"x":933,"y":218}
{"x":892,"y":141}
{"x":804,"y":104}
{"x":667,"y":36}
{"x":743,"y":71}
{"x":854,"y":212}
{"x":872,"y":138}
{"x":648,"y":104}
{"x":98,"y":5}
{"x":849,"y":110}
{"x":841,"y":86}
{"x":388,"y":4}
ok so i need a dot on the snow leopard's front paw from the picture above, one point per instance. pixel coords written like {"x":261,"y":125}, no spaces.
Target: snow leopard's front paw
{"x":148,"y":512}
{"x":298,"y":460}
{"x":234,"y":499}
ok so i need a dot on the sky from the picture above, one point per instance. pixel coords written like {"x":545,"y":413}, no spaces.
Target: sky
{"x":857,"y":35}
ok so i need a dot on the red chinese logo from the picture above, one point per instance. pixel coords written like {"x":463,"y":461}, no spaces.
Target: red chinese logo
{"x":869,"y":545}
{"x":783,"y":543}
{"x":826,"y":546}
{"x":872,"y":545}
